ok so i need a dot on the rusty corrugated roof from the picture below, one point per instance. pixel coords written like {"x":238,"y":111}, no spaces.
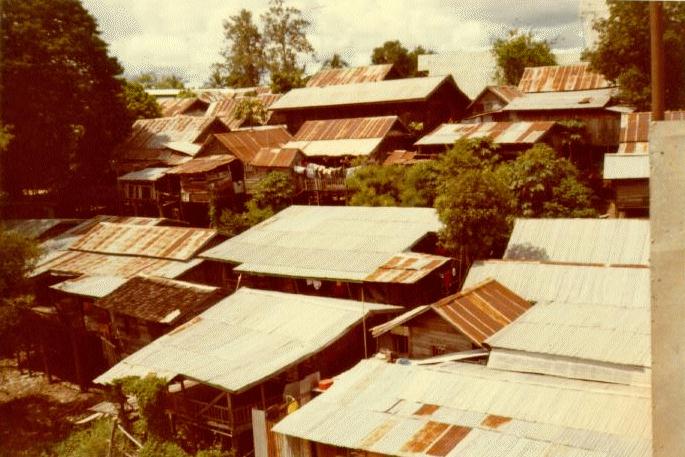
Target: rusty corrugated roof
{"x":497,"y":132}
{"x":477,"y":312}
{"x":176,"y":106}
{"x":225,"y":108}
{"x":176,"y":243}
{"x":635,"y":126}
{"x":559,"y":78}
{"x":402,"y":157}
{"x":407,"y":268}
{"x":275,"y":157}
{"x":337,"y":76}
{"x":159,"y":299}
{"x":244,"y":144}
{"x":354,"y":128}
{"x":507,"y":93}
{"x":202,"y":164}
{"x":156,"y":133}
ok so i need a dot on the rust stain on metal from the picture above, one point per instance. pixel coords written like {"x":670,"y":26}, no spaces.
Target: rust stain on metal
{"x":202,"y":164}
{"x":402,"y":157}
{"x":561,"y":78}
{"x":275,"y":157}
{"x":244,"y":144}
{"x":635,"y":126}
{"x":494,"y":421}
{"x":426,"y":410}
{"x":175,"y":106}
{"x":407,"y":268}
{"x":426,"y":436}
{"x":337,"y":76}
{"x":448,"y":441}
{"x":354,"y":128}
{"x":377,"y":433}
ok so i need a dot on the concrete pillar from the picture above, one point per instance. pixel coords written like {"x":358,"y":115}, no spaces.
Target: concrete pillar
{"x":667,"y":213}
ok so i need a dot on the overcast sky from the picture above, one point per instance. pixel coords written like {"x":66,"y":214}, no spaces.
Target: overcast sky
{"x":185,"y":36}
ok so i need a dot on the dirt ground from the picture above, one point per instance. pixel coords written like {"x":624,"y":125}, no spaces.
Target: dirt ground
{"x":35,"y":414}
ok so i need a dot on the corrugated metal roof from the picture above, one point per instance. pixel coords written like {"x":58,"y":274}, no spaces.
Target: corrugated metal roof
{"x":635,"y":126}
{"x":176,"y":106}
{"x":275,"y":158}
{"x":202,"y":164}
{"x":407,"y":268}
{"x":592,"y":241}
{"x":345,"y":129}
{"x":469,"y":410}
{"x":156,"y":133}
{"x":159,"y":299}
{"x":626,"y":166}
{"x":329,"y":242}
{"x":396,"y":90}
{"x":174,"y":243}
{"x":561,"y":78}
{"x":246,"y":338}
{"x":90,"y":286}
{"x":535,"y":281}
{"x":93,"y":264}
{"x":146,"y":174}
{"x":592,"y":332}
{"x":244,"y":144}
{"x":504,"y":93}
{"x":336,"y":76}
{"x":497,"y":132}
{"x":581,"y":99}
{"x":477,"y":312}
{"x":337,"y":148}
{"x":35,"y":228}
{"x":402,"y":157}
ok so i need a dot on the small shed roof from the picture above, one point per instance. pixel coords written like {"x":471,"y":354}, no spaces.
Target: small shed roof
{"x":477,"y":312}
{"x":173,"y":243}
{"x":469,"y":410}
{"x":497,"y":132}
{"x":247,"y":338}
{"x":580,"y":99}
{"x":397,"y":90}
{"x":407,"y":268}
{"x":275,"y":157}
{"x":558,"y":78}
{"x":589,"y":241}
{"x":159,"y":299}
{"x":336,"y":76}
{"x":326,"y":242}
{"x":537,"y":281}
{"x":146,"y":174}
{"x":244,"y":144}
{"x":202,"y":164}
{"x":176,"y":106}
{"x":626,"y":166}
{"x":90,"y":286}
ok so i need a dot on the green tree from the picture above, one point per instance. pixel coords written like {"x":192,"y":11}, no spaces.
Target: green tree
{"x":420,"y":184}
{"x":622,"y":54}
{"x":154,"y":80}
{"x":285,"y":39}
{"x":405,"y":62}
{"x":140,"y":104}
{"x":518,"y":51}
{"x":252,"y":111}
{"x":335,"y":61}
{"x":62,"y":95}
{"x":243,"y":61}
{"x":376,"y":185}
{"x":546,"y":185}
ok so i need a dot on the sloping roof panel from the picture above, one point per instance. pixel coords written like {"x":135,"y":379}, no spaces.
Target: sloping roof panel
{"x":247,"y":338}
{"x":146,"y":174}
{"x":590,"y":241}
{"x":635,"y":126}
{"x":156,"y":133}
{"x":175,"y":106}
{"x":401,"y":157}
{"x":90,"y":286}
{"x":36,"y":228}
{"x":244,"y":144}
{"x":497,"y":132}
{"x":159,"y":299}
{"x":339,"y":129}
{"x":333,"y":242}
{"x":407,"y":268}
{"x":626,"y":166}
{"x":561,"y":78}
{"x":202,"y":164}
{"x":335,"y":76}
{"x":581,"y":99}
{"x":173,"y":243}
{"x":475,"y":411}
{"x":396,"y":90}
{"x":275,"y":157}
{"x":337,"y":148}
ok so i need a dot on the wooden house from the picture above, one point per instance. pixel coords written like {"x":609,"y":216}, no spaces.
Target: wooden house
{"x":252,"y":350}
{"x":512,"y":138}
{"x":420,"y":102}
{"x":627,"y":170}
{"x":191,"y":106}
{"x":164,"y":142}
{"x":352,"y":75}
{"x":244,"y":144}
{"x":490,"y":101}
{"x":268,"y":160}
{"x":142,"y":309}
{"x":382,"y":255}
{"x":456,"y":323}
{"x":148,"y":192}
{"x":216,"y":179}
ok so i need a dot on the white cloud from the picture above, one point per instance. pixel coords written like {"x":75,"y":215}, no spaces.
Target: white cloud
{"x":186,"y":36}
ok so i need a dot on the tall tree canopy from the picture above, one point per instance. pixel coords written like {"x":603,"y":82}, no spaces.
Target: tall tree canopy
{"x":517,"y":51}
{"x":243,"y":57}
{"x":60,"y":93}
{"x":285,"y":39}
{"x":405,"y":62}
{"x":140,"y":104}
{"x":622,"y":54}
